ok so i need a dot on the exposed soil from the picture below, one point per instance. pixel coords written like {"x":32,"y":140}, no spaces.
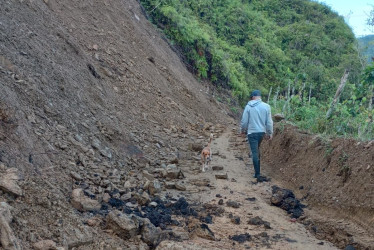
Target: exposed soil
{"x":99,"y":117}
{"x":333,"y":177}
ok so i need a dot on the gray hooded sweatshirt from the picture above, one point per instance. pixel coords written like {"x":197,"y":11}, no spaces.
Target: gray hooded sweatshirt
{"x":257,"y":118}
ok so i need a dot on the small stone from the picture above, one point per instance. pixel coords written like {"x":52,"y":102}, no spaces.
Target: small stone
{"x":217,"y":168}
{"x":235,"y":220}
{"x":45,"y":245}
{"x":278,"y":117}
{"x":93,"y":222}
{"x":152,"y":204}
{"x":220,"y":202}
{"x":221,"y":176}
{"x":8,"y":182}
{"x":180,"y":186}
{"x":106,"y":197}
{"x":123,"y":225}
{"x":170,"y":185}
{"x":8,"y":240}
{"x":76,"y":176}
{"x":233,"y":204}
{"x":154,"y":187}
{"x":148,"y":176}
{"x":82,"y":202}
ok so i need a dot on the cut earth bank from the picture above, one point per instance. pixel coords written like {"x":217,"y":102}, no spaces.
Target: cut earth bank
{"x":334,"y":177}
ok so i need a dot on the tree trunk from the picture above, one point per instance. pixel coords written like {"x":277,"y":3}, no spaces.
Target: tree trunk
{"x":310,"y":93}
{"x":271,"y":88}
{"x":338,"y":93}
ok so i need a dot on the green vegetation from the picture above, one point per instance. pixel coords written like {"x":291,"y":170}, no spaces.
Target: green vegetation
{"x":296,"y":49}
{"x":366,"y":45}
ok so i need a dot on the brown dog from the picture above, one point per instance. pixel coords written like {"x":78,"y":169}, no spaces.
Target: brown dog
{"x":206,"y":154}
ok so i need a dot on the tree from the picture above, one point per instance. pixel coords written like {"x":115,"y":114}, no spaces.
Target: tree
{"x":370,"y":20}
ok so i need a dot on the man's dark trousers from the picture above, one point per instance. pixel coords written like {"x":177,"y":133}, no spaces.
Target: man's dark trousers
{"x":254,"y":141}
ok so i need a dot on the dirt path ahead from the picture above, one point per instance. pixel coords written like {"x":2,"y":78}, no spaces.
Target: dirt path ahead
{"x":230,"y":151}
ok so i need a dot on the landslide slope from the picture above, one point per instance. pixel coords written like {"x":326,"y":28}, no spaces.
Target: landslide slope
{"x":89,"y":91}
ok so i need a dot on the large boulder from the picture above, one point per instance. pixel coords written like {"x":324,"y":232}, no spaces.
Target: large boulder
{"x":150,"y":234}
{"x":123,"y":225}
{"x":8,"y":182}
{"x":7,"y":238}
{"x":82,"y":202}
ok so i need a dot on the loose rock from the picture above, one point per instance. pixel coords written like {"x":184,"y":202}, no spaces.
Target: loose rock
{"x":82,"y":202}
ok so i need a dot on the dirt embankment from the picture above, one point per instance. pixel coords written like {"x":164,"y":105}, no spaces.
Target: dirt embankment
{"x":89,"y":92}
{"x":334,"y":177}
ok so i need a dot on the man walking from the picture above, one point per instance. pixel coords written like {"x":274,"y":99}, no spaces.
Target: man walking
{"x":256,"y":121}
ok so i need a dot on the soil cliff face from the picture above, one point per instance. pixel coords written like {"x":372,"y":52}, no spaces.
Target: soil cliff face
{"x":335,"y":177}
{"x":89,"y":91}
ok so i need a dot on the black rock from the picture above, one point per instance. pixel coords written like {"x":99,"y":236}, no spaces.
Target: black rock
{"x":241,"y":237}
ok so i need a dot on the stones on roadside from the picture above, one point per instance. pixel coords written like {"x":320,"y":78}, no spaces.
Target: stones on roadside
{"x":233,"y":204}
{"x":217,"y":168}
{"x":196,"y":147}
{"x":250,"y":199}
{"x":148,"y":176}
{"x":172,"y":172}
{"x":95,"y":221}
{"x":76,"y":176}
{"x":258,"y":221}
{"x":8,"y":182}
{"x":8,"y":239}
{"x":180,"y":186}
{"x":142,"y":199}
{"x":235,"y":220}
{"x":154,"y":187}
{"x":170,"y":185}
{"x":221,"y":176}
{"x":278,"y":117}
{"x":83,"y":203}
{"x":45,"y":245}
{"x":149,"y":233}
{"x":200,"y":230}
{"x":200,"y":182}
{"x":123,"y":225}
{"x":241,"y":238}
{"x":285,"y":199}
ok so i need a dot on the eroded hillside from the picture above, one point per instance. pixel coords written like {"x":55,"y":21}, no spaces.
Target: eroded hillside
{"x":89,"y":91}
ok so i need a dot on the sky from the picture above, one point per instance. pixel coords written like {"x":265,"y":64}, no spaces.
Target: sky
{"x":355,"y":13}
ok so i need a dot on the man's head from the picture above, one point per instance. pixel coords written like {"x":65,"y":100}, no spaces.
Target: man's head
{"x":256,"y":94}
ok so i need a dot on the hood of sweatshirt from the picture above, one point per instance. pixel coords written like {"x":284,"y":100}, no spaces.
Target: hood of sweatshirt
{"x":254,"y":103}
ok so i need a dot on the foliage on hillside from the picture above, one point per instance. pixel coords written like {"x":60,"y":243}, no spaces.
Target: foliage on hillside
{"x":366,"y":45}
{"x":294,"y":51}
{"x":260,"y":43}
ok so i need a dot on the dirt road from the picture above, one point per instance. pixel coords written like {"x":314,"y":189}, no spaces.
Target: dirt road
{"x":230,"y":152}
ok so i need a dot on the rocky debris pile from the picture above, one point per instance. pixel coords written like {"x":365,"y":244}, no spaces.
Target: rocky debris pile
{"x":285,"y":199}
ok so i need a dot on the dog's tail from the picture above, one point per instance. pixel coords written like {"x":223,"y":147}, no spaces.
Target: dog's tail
{"x":210,"y":139}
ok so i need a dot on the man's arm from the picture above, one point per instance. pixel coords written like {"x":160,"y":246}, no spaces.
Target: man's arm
{"x":244,"y":121}
{"x":269,"y":124}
